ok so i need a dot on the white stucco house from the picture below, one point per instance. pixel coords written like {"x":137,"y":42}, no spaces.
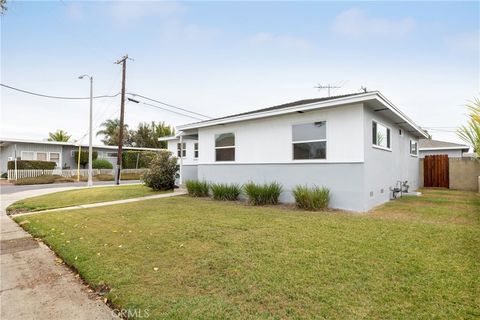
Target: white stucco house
{"x":429,"y":147}
{"x":357,"y":145}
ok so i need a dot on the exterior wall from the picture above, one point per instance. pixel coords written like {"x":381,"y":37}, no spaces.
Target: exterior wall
{"x":31,"y":147}
{"x":190,"y":172}
{"x":383,"y":168}
{"x":189,"y":159}
{"x":345,"y":180}
{"x":71,"y":162}
{"x":451,"y":153}
{"x":269,"y":140}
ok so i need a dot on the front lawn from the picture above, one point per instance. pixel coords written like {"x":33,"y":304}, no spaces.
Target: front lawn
{"x":80,"y":196}
{"x":185,"y":258}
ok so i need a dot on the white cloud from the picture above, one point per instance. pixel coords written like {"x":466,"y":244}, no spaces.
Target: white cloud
{"x":125,"y":11}
{"x":357,"y":22}
{"x":465,"y":41}
{"x":286,"y":41}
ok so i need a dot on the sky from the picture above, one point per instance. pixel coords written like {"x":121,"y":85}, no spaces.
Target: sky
{"x":220,"y":58}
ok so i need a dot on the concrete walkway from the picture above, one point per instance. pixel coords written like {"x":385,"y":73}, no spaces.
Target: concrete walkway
{"x":34,"y":284}
{"x":177,"y":192}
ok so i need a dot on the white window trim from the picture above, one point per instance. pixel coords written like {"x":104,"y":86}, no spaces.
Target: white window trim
{"x":195,"y":151}
{"x":184,"y":150}
{"x":389,"y":128}
{"x":225,"y":147}
{"x":34,"y":155}
{"x":307,"y":141}
{"x":410,"y":148}
{"x":46,"y":155}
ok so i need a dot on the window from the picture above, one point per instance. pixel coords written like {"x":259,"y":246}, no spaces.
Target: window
{"x":309,"y":141}
{"x":400,"y":132}
{"x":27,"y":155}
{"x":100,"y":154}
{"x":181,"y":154}
{"x":55,"y":157}
{"x":413,"y":148}
{"x":41,"y":156}
{"x":195,"y":150}
{"x":225,"y":147}
{"x":380,"y":135}
{"x":112,"y":154}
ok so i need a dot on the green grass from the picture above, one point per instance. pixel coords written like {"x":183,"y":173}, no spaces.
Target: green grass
{"x":187,"y":258}
{"x":81,"y":196}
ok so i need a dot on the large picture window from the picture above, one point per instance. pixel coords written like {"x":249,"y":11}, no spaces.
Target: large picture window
{"x":381,"y":135}
{"x":413,"y":148}
{"x":181,"y":150}
{"x":309,"y":141}
{"x":225,"y":147}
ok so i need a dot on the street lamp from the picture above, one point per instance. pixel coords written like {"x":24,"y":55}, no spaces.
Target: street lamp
{"x":90,"y":152}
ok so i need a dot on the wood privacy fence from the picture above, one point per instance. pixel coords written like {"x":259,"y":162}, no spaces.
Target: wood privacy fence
{"x":64,"y":173}
{"x":436,"y":171}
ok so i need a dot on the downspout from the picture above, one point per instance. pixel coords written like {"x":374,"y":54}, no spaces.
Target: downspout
{"x":180,"y":180}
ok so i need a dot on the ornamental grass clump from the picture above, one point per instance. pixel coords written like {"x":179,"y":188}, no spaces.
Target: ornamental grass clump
{"x":263,"y":194}
{"x":315,"y":198}
{"x":197,"y":188}
{"x":226,"y":192}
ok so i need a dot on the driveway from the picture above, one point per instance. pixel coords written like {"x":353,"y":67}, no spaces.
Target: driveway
{"x":34,"y":284}
{"x":11,"y":188}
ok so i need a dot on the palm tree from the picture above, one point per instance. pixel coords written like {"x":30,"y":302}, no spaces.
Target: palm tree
{"x":59,"y":135}
{"x":470,"y":133}
{"x":110,"y":132}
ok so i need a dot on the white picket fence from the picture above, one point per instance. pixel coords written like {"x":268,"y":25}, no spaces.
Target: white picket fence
{"x":64,"y":173}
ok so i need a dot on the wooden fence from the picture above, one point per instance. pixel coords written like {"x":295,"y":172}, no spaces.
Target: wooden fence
{"x":436,"y":171}
{"x":19,"y":174}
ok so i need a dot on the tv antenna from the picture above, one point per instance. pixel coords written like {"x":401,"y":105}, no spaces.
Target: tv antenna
{"x":328,"y":86}
{"x":364,"y":89}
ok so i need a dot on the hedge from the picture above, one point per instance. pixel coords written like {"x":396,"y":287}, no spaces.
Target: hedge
{"x":32,"y":165}
{"x":129,"y":159}
{"x":101,"y":164}
{"x":84,"y":157}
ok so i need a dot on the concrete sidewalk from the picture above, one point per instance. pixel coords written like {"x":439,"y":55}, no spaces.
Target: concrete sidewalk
{"x":33,"y":284}
{"x":177,"y":192}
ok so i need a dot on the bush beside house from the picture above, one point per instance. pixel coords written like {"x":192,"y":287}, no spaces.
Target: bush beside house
{"x":101,"y":164}
{"x":315,"y":198}
{"x":197,"y":188}
{"x":263,"y":194}
{"x":132,"y":159}
{"x":84,"y":157}
{"x":226,"y":192}
{"x":162,"y":172}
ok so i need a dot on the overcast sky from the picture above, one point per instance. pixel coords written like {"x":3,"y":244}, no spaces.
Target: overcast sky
{"x":219,"y":58}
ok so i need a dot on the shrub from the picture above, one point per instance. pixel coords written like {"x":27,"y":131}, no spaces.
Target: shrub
{"x":46,"y":179}
{"x":130,"y":157}
{"x":228,"y":192}
{"x":162,"y":171}
{"x":32,"y":165}
{"x":101,"y":164}
{"x":265,"y":194}
{"x":315,"y":198}
{"x":4,"y":175}
{"x":197,"y":188}
{"x":84,"y":157}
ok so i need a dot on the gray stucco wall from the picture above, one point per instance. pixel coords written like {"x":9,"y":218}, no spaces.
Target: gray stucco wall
{"x":5,"y":153}
{"x":8,"y":151}
{"x":345,"y":180}
{"x":190,"y":172}
{"x":384,"y":168}
{"x":450,"y":153}
{"x":71,"y":162}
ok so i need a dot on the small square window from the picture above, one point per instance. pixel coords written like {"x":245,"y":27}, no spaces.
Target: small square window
{"x":181,"y":150}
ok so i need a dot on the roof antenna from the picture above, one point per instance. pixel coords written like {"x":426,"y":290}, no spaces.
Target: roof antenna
{"x":328,"y":86}
{"x":364,"y":89}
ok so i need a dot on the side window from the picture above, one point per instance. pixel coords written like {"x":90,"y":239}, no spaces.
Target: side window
{"x":309,"y":141}
{"x":181,"y":148}
{"x":195,"y":149}
{"x":225,"y":147}
{"x":413,"y":148}
{"x":381,"y":135}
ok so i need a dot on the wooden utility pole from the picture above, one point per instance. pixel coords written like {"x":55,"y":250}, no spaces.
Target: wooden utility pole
{"x":122,"y":61}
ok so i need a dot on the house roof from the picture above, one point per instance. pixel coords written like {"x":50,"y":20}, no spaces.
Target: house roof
{"x":6,"y":141}
{"x":374,"y":99}
{"x":429,"y":144}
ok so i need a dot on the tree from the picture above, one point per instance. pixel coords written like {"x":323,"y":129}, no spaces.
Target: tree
{"x":470,"y":133}
{"x":59,"y":135}
{"x":3,"y":6}
{"x":110,"y":132}
{"x":163,"y":130}
{"x":84,"y":157}
{"x":147,"y":135}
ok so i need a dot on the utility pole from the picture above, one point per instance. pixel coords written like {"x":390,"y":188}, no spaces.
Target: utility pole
{"x":122,"y":61}
{"x":90,"y":147}
{"x":328,"y":86}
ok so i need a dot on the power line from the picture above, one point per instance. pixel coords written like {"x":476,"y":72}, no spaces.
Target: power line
{"x":165,"y":109}
{"x":169,"y":105}
{"x":57,"y":97}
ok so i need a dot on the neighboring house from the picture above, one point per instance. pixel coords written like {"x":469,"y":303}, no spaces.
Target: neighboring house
{"x":428,"y":147}
{"x":60,"y":152}
{"x":357,"y":145}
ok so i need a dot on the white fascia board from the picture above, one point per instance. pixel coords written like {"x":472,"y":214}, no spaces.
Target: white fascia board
{"x":270,"y":113}
{"x":444,"y":148}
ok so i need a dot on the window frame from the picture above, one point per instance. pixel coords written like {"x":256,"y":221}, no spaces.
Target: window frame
{"x":179,"y":150}
{"x":234,"y":146}
{"x":389,"y":142}
{"x":308,"y":141}
{"x":416,"y":148}
{"x":42,"y":152}
{"x":195,"y":150}
{"x":34,"y":155}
